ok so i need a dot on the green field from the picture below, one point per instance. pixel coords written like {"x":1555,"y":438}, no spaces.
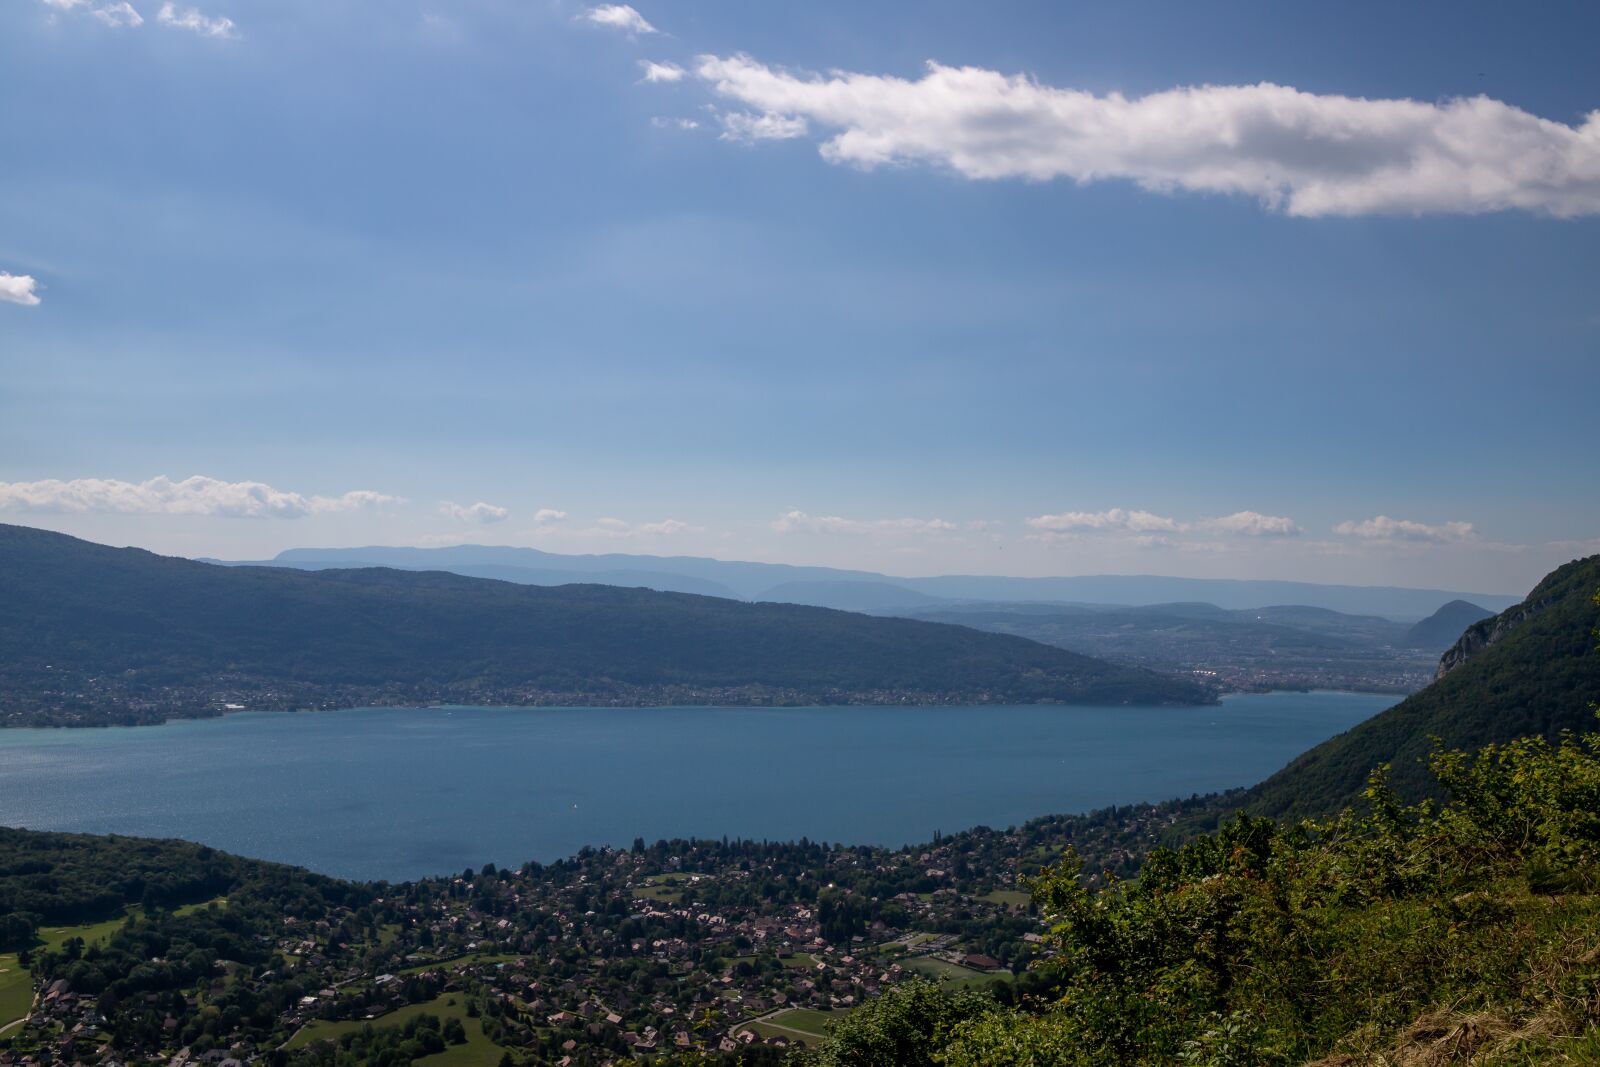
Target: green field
{"x":659,"y":893}
{"x":950,"y":975}
{"x":666,"y":888}
{"x":797,"y":1024}
{"x":1011,"y":898}
{"x":16,"y":990}
{"x":53,"y":937}
{"x":479,"y":1051}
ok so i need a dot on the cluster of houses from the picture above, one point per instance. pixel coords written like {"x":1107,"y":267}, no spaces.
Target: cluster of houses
{"x":613,"y":956}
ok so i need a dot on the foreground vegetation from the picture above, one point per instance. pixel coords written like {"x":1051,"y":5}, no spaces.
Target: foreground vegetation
{"x":1468,"y":932}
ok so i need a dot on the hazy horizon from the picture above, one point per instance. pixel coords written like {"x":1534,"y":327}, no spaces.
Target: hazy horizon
{"x":310,"y":553}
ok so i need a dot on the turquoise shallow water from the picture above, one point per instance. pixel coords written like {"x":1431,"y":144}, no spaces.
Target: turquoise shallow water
{"x":400,"y":793}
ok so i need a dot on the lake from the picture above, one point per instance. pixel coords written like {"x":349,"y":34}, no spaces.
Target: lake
{"x":401,"y":793}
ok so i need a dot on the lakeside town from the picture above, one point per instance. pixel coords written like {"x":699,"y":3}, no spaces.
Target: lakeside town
{"x":735,"y":950}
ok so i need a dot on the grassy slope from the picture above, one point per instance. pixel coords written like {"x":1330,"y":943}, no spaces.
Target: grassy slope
{"x":805,"y":1025}
{"x":16,"y":990}
{"x":950,"y":975}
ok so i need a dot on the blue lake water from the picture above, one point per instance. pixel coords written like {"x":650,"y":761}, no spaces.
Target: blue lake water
{"x":402,"y":793}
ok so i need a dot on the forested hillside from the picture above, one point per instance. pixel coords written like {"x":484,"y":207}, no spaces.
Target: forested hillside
{"x":49,"y":879}
{"x":1529,"y":671}
{"x":96,"y":634}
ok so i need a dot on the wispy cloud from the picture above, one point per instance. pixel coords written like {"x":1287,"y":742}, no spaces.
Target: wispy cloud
{"x":745,"y":127}
{"x":197,"y":495}
{"x":479,"y":514}
{"x":619,"y":17}
{"x":551,"y":525}
{"x":662,"y":72}
{"x":661,"y":528}
{"x":118,"y":14}
{"x":1150,"y":530}
{"x":115,"y":13}
{"x":1304,"y":153}
{"x":1383,"y":528}
{"x":800,"y":522}
{"x":18,"y":289}
{"x":1253,"y":524}
{"x":190,"y":18}
{"x":1134,"y":521}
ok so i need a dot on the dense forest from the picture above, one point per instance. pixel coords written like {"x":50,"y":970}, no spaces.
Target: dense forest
{"x":95,"y":634}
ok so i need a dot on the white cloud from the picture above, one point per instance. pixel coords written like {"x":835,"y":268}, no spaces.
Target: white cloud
{"x":115,"y":13}
{"x":1253,"y":524}
{"x":191,"y":19}
{"x":610,"y":527}
{"x":118,"y":14}
{"x":192,"y":496}
{"x":480,"y":513}
{"x":545,"y":516}
{"x":619,"y":16}
{"x":1305,"y":153}
{"x":1114,"y":519}
{"x":661,"y":122}
{"x":800,"y":522}
{"x":1383,"y":528}
{"x":662,"y":72}
{"x":744,"y":126}
{"x":18,"y":289}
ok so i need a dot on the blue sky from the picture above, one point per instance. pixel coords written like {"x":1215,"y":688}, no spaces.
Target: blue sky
{"x":334,"y":273}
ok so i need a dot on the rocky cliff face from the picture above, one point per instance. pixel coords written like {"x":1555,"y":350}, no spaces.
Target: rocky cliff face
{"x":1481,"y":635}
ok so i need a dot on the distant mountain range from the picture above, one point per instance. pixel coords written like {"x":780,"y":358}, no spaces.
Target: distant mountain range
{"x":869,"y":591}
{"x":94,"y":634}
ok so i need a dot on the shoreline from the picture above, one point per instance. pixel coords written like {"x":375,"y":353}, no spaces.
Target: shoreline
{"x":218,"y":714}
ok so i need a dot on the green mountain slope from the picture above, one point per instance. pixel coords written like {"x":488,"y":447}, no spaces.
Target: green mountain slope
{"x":1530,"y":670}
{"x":93,"y":633}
